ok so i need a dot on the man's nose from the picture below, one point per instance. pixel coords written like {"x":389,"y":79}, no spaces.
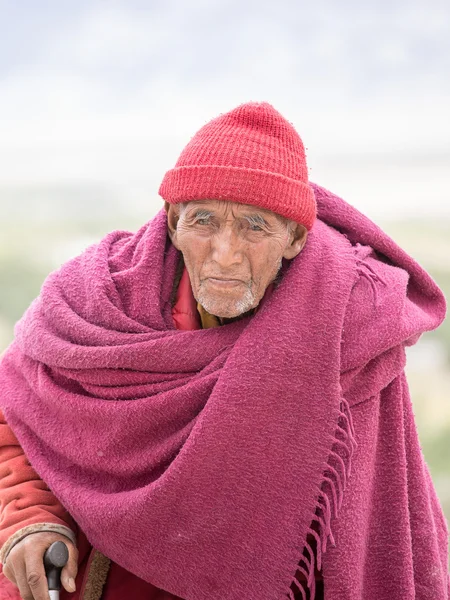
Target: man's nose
{"x":226,"y":248}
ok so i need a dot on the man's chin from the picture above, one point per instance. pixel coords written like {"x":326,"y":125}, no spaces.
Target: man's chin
{"x":229,"y":314}
{"x":229,"y":309}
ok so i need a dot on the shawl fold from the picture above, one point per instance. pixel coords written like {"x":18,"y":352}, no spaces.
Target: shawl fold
{"x":203,"y":461}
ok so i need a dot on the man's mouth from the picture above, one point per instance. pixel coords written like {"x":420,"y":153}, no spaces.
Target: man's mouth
{"x":222,"y":282}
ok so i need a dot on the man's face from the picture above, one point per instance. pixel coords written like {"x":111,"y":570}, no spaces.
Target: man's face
{"x":232,"y":251}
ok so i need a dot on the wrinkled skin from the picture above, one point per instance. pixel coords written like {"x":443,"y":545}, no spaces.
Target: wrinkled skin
{"x":232,"y":251}
{"x":24,"y":565}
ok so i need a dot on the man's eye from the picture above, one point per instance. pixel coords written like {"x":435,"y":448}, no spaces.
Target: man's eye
{"x":203,"y":221}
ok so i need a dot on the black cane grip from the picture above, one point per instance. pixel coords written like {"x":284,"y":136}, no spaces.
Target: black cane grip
{"x":55,"y":557}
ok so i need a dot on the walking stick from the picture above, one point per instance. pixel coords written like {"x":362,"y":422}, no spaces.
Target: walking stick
{"x":55,"y":558}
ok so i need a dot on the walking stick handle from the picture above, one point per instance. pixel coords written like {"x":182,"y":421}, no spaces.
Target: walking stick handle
{"x":55,"y":557}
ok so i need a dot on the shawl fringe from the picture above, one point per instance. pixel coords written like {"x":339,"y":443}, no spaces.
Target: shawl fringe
{"x":329,"y":500}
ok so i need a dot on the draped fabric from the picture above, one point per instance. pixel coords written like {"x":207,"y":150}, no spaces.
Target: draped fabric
{"x":203,"y":461}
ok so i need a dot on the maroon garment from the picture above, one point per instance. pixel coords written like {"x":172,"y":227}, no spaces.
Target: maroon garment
{"x":123,"y":584}
{"x":182,"y":451}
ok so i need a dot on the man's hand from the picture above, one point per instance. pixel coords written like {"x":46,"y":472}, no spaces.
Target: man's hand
{"x":25,"y":565}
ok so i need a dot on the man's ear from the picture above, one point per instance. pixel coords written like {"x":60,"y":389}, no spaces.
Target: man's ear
{"x":173,"y":214}
{"x":299,"y":233}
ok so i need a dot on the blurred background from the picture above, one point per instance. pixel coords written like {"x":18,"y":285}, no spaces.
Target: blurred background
{"x":98,"y":98}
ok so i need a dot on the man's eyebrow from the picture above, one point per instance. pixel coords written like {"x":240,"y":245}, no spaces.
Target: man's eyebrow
{"x":200,"y":213}
{"x":256,"y":218}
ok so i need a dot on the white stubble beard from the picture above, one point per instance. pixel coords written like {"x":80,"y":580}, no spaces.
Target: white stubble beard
{"x":241,"y":306}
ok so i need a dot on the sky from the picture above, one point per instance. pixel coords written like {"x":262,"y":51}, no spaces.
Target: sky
{"x":107,"y":93}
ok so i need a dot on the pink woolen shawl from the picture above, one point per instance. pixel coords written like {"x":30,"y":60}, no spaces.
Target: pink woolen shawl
{"x":201,"y":461}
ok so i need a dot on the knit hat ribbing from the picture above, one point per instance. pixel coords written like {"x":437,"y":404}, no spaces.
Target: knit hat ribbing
{"x":250,"y":155}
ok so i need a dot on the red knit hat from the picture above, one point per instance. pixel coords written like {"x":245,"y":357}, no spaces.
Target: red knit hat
{"x":250,"y":155}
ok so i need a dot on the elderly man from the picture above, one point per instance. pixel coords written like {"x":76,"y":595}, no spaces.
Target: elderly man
{"x":216,"y":405}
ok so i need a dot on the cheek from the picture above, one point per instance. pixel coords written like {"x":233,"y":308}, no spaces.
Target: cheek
{"x":194,"y":251}
{"x":265,"y":260}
